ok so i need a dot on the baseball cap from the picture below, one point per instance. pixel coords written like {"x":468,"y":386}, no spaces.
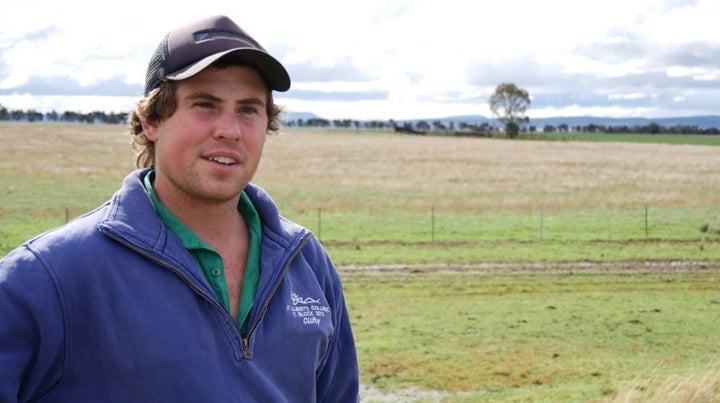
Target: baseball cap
{"x":187,"y":50}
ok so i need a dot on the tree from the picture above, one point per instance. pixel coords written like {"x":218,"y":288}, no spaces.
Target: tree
{"x":509,"y":103}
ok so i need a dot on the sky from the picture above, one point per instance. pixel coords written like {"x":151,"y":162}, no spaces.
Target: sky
{"x":386,"y":59}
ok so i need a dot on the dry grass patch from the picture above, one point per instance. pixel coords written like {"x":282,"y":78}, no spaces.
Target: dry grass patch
{"x":65,"y":151}
{"x":473,"y":175}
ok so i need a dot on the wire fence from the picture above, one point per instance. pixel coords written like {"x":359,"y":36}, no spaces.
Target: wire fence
{"x":438,"y":226}
{"x":435,"y":225}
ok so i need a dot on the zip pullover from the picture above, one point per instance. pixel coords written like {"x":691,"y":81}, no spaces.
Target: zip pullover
{"x":112,"y":308}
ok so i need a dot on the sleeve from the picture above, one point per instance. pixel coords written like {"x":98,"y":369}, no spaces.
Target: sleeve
{"x":31,"y":328}
{"x":338,"y":380}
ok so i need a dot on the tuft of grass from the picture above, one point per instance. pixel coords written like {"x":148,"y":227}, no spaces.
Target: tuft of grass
{"x":695,"y":388}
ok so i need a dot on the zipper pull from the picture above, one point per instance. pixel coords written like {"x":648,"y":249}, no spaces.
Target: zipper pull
{"x":246,"y":348}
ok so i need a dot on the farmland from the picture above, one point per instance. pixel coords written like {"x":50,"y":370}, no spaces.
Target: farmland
{"x":475,"y":269}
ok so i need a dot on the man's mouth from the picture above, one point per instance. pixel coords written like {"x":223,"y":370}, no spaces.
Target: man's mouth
{"x":223,"y":160}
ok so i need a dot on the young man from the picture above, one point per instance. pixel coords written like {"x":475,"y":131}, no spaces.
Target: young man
{"x":187,"y":286}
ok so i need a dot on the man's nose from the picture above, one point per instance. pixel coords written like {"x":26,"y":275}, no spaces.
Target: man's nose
{"x":228,"y":127}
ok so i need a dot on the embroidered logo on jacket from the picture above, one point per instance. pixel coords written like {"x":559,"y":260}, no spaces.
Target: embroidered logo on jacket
{"x":309,"y":310}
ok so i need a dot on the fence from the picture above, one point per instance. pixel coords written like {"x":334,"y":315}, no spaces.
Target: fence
{"x":435,"y":225}
{"x":438,"y":226}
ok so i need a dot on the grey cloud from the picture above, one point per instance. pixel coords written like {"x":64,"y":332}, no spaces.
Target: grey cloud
{"x":41,"y":34}
{"x":656,"y":80}
{"x":613,"y":52}
{"x":692,"y":54}
{"x":339,"y":72}
{"x":65,"y":86}
{"x":9,"y":42}
{"x":524,"y":72}
{"x":342,"y":96}
{"x":33,"y":36}
{"x":4,"y":70}
{"x":551,"y":87}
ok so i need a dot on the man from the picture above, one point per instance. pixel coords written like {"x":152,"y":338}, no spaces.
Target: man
{"x":187,"y":286}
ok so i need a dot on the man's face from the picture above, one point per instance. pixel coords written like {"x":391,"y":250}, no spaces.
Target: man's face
{"x":209,"y":148}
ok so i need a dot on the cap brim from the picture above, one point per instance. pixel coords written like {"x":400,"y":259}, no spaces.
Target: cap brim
{"x":268,"y":67}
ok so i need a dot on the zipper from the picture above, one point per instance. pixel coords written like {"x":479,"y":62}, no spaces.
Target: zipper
{"x":266,"y":301}
{"x":180,"y":273}
{"x":244,"y":340}
{"x":246,"y":347}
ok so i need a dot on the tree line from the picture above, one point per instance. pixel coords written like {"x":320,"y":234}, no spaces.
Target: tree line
{"x":32,"y":115}
{"x":412,"y":127}
{"x":489,"y":130}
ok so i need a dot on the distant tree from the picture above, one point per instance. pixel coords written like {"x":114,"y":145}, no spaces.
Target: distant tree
{"x":509,"y":103}
{"x":51,"y":116}
{"x":422,"y":125}
{"x":654,"y":128}
{"x":17,"y":115}
{"x":34,"y":116}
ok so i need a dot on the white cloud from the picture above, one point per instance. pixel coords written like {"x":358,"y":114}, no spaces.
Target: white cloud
{"x":635,"y":95}
{"x":82,"y":104}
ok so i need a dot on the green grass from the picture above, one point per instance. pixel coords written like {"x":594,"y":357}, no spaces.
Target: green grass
{"x":31,"y":205}
{"x":542,"y":337}
{"x":589,"y":225}
{"x":518,"y":252}
{"x":368,"y":237}
{"x":677,"y":139}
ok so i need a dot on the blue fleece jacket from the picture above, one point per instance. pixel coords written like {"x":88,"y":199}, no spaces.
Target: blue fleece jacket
{"x":112,"y":308}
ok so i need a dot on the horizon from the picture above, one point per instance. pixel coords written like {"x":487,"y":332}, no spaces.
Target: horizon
{"x":700,"y":121}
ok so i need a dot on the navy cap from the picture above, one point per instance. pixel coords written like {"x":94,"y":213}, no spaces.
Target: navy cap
{"x":191,"y":48}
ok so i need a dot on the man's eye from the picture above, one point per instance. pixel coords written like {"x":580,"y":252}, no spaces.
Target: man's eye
{"x":205,"y":105}
{"x":249,"y":109}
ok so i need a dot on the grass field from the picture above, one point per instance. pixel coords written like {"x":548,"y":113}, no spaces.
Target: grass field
{"x":539,"y":337}
{"x":475,"y":269}
{"x":379,"y":198}
{"x":708,"y":140}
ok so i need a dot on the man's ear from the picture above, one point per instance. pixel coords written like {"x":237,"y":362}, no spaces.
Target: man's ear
{"x":150,"y":129}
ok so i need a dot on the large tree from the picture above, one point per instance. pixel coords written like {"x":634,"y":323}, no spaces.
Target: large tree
{"x":509,"y":103}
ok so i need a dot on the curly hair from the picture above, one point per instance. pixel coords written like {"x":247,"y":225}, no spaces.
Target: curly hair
{"x":160,"y":104}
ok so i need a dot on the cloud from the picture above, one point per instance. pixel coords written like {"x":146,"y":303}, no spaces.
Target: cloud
{"x":41,"y":34}
{"x":61,"y":85}
{"x":340,"y":96}
{"x":341,"y":71}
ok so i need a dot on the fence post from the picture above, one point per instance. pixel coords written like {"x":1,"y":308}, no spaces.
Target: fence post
{"x":319,"y":224}
{"x":432,"y":224}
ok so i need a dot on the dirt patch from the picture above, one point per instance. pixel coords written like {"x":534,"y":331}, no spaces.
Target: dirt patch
{"x":371,"y":395}
{"x":533,"y":268}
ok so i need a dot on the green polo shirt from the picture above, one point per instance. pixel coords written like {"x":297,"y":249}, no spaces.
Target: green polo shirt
{"x":209,"y":260}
